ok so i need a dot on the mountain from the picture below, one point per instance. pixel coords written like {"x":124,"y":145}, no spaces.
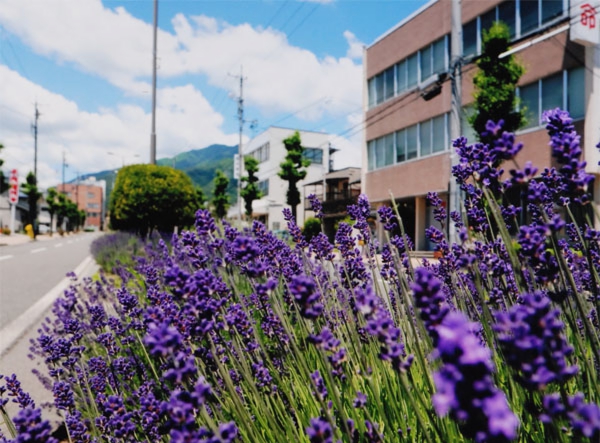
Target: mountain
{"x":199,"y":164}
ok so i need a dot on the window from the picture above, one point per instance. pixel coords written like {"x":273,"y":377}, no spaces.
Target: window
{"x":470,"y":38}
{"x":575,"y":92}
{"x":263,"y":187}
{"x":380,"y":153}
{"x":401,"y":76}
{"x":400,"y":146}
{"x":261,"y":154}
{"x":530,"y":97}
{"x":93,"y":205}
{"x":388,"y":79}
{"x":551,"y":9}
{"x":412,"y":71}
{"x":90,"y":195}
{"x":390,"y":155}
{"x":315,"y":155}
{"x":438,"y":133}
{"x":426,"y":65}
{"x":529,"y":15}
{"x":425,"y":137}
{"x":411,"y":142}
{"x":552,"y":92}
{"x":507,"y":13}
{"x":439,"y":55}
{"x":379,"y":88}
{"x":371,"y":155}
{"x":372,"y":93}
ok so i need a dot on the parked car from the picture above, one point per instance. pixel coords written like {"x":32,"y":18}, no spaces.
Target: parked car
{"x":43,"y":229}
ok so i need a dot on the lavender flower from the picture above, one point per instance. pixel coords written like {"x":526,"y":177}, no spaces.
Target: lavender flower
{"x":530,"y":335}
{"x":307,"y":296}
{"x":465,"y":386}
{"x":316,"y":206}
{"x":319,"y":431}
{"x":31,"y":428}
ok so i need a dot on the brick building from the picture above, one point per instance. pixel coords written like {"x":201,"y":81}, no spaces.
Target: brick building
{"x":89,"y":196}
{"x":407,"y":147}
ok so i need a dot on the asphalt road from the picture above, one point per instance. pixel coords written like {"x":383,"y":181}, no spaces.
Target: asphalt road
{"x":28,"y":271}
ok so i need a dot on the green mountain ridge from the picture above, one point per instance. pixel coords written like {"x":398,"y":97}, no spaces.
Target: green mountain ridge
{"x":199,"y":164}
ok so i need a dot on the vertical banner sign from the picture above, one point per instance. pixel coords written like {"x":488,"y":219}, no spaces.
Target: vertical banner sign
{"x":585,"y":22}
{"x":13,"y":191}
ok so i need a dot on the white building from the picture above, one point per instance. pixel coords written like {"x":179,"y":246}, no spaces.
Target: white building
{"x":269,"y":150}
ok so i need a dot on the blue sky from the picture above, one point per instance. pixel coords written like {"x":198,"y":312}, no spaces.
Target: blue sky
{"x":87,"y":63}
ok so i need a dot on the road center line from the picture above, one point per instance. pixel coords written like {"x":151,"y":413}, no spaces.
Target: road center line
{"x":5,"y":257}
{"x":58,"y":245}
{"x":35,"y":251}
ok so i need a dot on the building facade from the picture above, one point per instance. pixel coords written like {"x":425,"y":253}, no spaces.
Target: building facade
{"x":89,"y":195}
{"x":269,"y":150}
{"x":407,"y":137}
{"x":336,"y":191}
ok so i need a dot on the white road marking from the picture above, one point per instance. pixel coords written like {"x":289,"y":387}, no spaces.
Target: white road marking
{"x":58,"y":245}
{"x":35,"y":251}
{"x":5,"y":257}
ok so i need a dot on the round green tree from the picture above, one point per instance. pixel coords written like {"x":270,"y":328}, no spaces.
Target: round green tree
{"x":152,"y":197}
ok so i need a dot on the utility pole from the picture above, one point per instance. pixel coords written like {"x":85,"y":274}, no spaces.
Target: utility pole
{"x":456,"y":52}
{"x":34,"y":126}
{"x":64,"y":165}
{"x":154,"y":51}
{"x":241,"y":159}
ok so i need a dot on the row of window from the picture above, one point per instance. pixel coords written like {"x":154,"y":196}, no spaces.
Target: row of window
{"x":522,"y":17}
{"x":261,"y":154}
{"x":315,"y":155}
{"x":263,"y":187}
{"x":420,"y":140}
{"x":564,"y":90}
{"x":408,"y":73}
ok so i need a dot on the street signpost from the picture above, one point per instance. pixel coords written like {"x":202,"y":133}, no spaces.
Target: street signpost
{"x":13,"y":197}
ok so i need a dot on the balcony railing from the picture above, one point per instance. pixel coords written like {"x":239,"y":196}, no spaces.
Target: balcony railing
{"x":336,"y":201}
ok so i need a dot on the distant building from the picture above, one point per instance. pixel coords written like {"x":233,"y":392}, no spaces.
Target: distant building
{"x":269,"y":150}
{"x":89,"y":195}
{"x":21,"y":211}
{"x":336,"y":190}
{"x":407,"y":138}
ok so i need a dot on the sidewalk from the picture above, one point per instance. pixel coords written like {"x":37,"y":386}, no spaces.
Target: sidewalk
{"x":16,"y":337}
{"x":18,"y":239}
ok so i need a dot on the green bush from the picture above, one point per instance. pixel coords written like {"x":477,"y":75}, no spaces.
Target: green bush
{"x":312,"y":226}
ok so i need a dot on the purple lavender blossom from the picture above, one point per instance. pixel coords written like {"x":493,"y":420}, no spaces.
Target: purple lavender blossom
{"x":465,"y":386}
{"x":360,"y":401}
{"x":63,"y":396}
{"x":31,"y":428}
{"x":162,"y":340}
{"x":531,"y":337}
{"x":429,"y":299}
{"x":316,"y":206}
{"x":307,"y":296}
{"x":439,"y":211}
{"x":319,"y":431}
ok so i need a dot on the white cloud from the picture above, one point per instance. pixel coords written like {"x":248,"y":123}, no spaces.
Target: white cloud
{"x":355,"y":46}
{"x":185,"y":120}
{"x":116,"y":46}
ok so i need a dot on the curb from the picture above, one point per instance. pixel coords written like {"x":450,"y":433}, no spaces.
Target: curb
{"x":10,"y":334}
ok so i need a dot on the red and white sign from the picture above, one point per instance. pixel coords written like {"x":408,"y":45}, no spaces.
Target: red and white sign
{"x":13,"y":191}
{"x":585,"y":22}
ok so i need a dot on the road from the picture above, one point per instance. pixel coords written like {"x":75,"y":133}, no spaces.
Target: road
{"x":28,"y":271}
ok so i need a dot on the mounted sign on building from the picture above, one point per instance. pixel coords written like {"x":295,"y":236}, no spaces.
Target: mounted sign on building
{"x":585,"y":22}
{"x":13,"y":191}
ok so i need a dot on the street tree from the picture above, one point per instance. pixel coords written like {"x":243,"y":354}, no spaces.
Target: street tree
{"x":293,"y":169}
{"x":152,"y":197}
{"x":33,"y":195}
{"x":496,"y":83}
{"x":200,"y":198}
{"x":220,"y":197}
{"x":54,"y":204}
{"x":250,"y":191}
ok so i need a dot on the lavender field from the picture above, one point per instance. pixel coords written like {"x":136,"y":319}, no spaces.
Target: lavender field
{"x":222,"y":335}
